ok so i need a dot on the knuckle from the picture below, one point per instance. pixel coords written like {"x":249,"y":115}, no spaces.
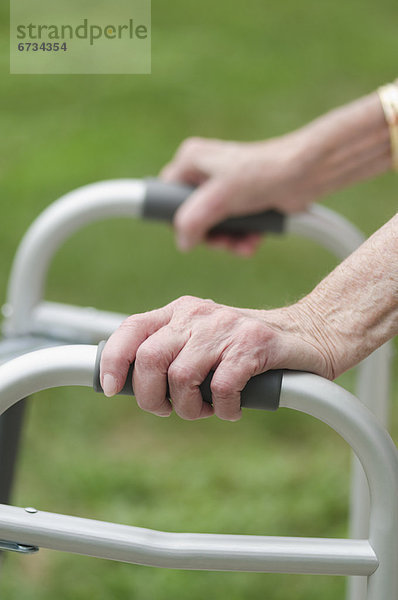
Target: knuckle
{"x":191,"y":144}
{"x":130,"y":322}
{"x":181,"y":375}
{"x":183,"y":305}
{"x":186,"y":299}
{"x":149,"y":355}
{"x":189,"y":306}
{"x":202,"y":307}
{"x":221,"y":389}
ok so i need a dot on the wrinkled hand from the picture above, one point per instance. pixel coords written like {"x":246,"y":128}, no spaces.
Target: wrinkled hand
{"x":180,"y":343}
{"x":238,"y":179}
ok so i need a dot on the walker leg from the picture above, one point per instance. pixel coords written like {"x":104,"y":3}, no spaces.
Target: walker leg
{"x":11,"y":423}
{"x":373,"y":389}
{"x":10,"y":435}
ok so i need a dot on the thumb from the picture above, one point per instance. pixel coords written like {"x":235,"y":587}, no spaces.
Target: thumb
{"x":207,"y":206}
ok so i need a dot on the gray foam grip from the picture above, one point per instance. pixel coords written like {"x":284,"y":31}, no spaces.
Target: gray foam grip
{"x":261,"y":392}
{"x":163,"y":199}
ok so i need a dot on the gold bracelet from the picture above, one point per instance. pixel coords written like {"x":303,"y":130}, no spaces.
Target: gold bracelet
{"x":388,"y":95}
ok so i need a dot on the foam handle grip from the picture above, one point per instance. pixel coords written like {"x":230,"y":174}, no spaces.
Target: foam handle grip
{"x":163,"y":199}
{"x":261,"y":392}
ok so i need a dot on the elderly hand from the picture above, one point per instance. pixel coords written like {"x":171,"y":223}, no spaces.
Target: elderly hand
{"x":180,"y":343}
{"x":346,"y":317}
{"x":236,"y":179}
{"x":286,"y":173}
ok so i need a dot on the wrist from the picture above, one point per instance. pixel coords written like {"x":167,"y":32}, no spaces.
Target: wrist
{"x":312,"y":316}
{"x":286,"y":168}
{"x":311,"y":345}
{"x":351,"y":144}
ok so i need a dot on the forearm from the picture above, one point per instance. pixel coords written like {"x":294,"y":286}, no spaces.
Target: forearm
{"x":347,"y":145}
{"x":286,"y":173}
{"x":354,"y":310}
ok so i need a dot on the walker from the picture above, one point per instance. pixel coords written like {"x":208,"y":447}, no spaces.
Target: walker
{"x":31,"y":323}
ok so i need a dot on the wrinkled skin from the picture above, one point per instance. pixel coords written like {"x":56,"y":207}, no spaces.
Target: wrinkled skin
{"x":181,"y":342}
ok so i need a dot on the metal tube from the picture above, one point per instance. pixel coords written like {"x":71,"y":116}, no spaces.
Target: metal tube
{"x":194,"y":551}
{"x":43,"y":369}
{"x":10,"y":434}
{"x":73,"y":365}
{"x":118,"y":198}
{"x":74,"y":324}
{"x":373,"y":389}
{"x":378,"y":455}
{"x":327,"y":228}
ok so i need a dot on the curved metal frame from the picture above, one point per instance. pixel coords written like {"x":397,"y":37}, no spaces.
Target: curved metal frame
{"x":115,"y":199}
{"x":375,"y":558}
{"x":27,"y":314}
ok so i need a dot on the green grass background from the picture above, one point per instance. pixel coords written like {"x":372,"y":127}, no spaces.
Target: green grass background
{"x":234,"y":70}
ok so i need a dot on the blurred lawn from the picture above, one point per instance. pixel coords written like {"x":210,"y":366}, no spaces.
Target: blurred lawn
{"x":229,"y":70}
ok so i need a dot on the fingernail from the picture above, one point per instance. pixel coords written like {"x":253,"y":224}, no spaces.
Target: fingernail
{"x":109,"y":385}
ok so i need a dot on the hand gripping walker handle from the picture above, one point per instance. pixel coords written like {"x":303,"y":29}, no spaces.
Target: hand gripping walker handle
{"x":261,"y":392}
{"x":163,"y":199}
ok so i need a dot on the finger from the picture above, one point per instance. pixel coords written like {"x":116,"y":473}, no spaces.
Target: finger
{"x":186,"y":373}
{"x":206,"y":207}
{"x":243,"y":245}
{"x":184,"y":166}
{"x":247,"y":245}
{"x":228,"y":381}
{"x":219,"y":241}
{"x":179,"y":171}
{"x":153,"y":359}
{"x":120,"y":350}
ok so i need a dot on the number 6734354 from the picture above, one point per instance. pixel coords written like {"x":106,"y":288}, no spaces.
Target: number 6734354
{"x":43,"y":47}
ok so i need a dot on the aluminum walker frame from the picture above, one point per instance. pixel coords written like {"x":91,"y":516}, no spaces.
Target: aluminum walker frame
{"x":31,"y":323}
{"x":25,"y":530}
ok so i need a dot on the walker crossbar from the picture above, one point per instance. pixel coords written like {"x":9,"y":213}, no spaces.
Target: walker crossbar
{"x":200,"y":551}
{"x":375,"y":558}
